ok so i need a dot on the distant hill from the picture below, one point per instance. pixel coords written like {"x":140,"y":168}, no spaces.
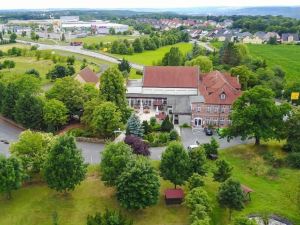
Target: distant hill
{"x":254,"y":11}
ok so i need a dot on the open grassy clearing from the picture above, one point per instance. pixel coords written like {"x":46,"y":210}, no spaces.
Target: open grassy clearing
{"x":9,"y":46}
{"x":287,"y":56}
{"x":149,"y":57}
{"x":34,"y":204}
{"x":105,"y":38}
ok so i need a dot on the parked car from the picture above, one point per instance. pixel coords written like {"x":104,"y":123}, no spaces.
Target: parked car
{"x":190,"y":147}
{"x":208,"y":131}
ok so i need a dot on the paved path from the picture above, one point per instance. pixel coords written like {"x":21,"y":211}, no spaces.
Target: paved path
{"x":203,"y":44}
{"x":79,"y":50}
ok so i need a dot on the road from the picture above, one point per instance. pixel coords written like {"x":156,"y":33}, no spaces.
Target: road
{"x":92,"y":151}
{"x":79,"y":50}
{"x":203,"y":44}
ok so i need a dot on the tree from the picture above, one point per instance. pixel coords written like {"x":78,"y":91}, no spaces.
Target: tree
{"x":138,"y":185}
{"x":196,"y":50}
{"x":90,"y":91}
{"x":173,"y":58}
{"x":106,"y":119}
{"x":174,"y":164}
{"x":32,"y":148}
{"x":244,"y":221}
{"x":223,"y":171}
{"x":243,"y":73}
{"x":2,"y":93}
{"x":139,"y":146}
{"x":166,"y":125}
{"x":134,"y":126}
{"x":9,"y":64}
{"x":291,"y":125}
{"x":231,"y":196}
{"x":71,"y":60}
{"x":211,"y":148}
{"x":12,"y":38}
{"x":146,"y":126}
{"x":60,"y":71}
{"x":108,"y":218}
{"x":61,"y":91}
{"x":197,"y":160}
{"x":114,"y":159}
{"x":204,"y":63}
{"x":137,"y":45}
{"x":29,"y":111}
{"x":124,"y":66}
{"x":255,"y":114}
{"x":55,"y":114}
{"x":229,"y":54}
{"x":197,"y":196}
{"x":23,"y":34}
{"x":11,"y":175}
{"x":112,"y":31}
{"x":272,"y":40}
{"x":63,"y":37}
{"x":88,"y":112}
{"x":195,"y":181}
{"x":33,"y":72}
{"x":112,"y":89}
{"x":64,"y":167}
{"x":10,"y":97}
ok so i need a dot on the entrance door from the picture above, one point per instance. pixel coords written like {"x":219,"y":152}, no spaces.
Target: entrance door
{"x":197,"y":122}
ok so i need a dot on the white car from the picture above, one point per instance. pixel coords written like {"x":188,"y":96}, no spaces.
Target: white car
{"x":190,"y":147}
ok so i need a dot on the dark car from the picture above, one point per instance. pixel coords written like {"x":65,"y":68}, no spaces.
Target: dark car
{"x":208,"y":132}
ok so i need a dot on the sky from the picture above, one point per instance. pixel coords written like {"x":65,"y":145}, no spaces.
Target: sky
{"x":106,"y":4}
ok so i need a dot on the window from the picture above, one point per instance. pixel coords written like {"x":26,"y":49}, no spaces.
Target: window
{"x":223,"y":109}
{"x":198,"y":109}
{"x":208,"y":109}
{"x":222,"y":121}
{"x":223,"y":96}
{"x":216,"y":109}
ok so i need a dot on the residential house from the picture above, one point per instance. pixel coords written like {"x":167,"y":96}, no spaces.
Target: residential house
{"x":289,"y":38}
{"x":217,"y":91}
{"x":87,"y":76}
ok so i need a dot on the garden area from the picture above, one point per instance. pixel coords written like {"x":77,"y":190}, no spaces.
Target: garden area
{"x":35,"y":203}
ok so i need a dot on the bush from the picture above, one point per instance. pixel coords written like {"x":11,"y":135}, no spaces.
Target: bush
{"x":185,"y":125}
{"x":138,"y":145}
{"x":139,"y":72}
{"x":195,"y":181}
{"x":293,"y":160}
{"x":166,"y":125}
{"x":146,"y":127}
{"x":109,"y":217}
{"x":173,"y":136}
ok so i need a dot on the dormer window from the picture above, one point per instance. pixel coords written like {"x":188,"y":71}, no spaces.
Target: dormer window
{"x":222,"y":96}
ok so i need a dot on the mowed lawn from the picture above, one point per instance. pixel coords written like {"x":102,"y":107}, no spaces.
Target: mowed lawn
{"x":34,"y":204}
{"x":147,"y":58}
{"x":105,"y":38}
{"x":287,"y":56}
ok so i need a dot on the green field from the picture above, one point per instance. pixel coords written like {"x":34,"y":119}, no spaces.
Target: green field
{"x":9,"y":46}
{"x":149,"y":57}
{"x":104,"y":38}
{"x":34,"y":204}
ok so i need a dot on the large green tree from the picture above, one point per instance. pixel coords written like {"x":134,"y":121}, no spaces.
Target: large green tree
{"x":137,"y":45}
{"x":197,"y":160}
{"x":138,"y":185}
{"x":255,"y":115}
{"x":55,"y":114}
{"x":243,"y":73}
{"x":174,"y":164}
{"x":114,"y":159}
{"x":113,"y":89}
{"x":231,"y":196}
{"x":11,"y":175}
{"x":291,"y":130}
{"x":64,"y":167}
{"x":70,"y":92}
{"x":29,"y":111}
{"x":204,"y":63}
{"x":223,"y":171}
{"x":32,"y":148}
{"x":173,"y":58}
{"x":106,"y":119}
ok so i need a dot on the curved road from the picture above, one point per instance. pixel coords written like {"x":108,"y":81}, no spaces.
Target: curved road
{"x":79,"y":50}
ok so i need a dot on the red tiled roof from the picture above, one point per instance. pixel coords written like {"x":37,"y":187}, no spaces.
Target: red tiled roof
{"x":174,"y":193}
{"x":88,"y":75}
{"x":215,"y":83}
{"x":171,"y":77}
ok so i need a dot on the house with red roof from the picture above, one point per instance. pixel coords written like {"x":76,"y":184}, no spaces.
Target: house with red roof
{"x":86,"y":75}
{"x":218,"y":91}
{"x":180,"y":91}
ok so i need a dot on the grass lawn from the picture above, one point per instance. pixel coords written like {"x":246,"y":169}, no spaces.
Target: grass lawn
{"x":4,"y":48}
{"x":287,"y":56}
{"x":34,"y":204}
{"x":148,"y":57}
{"x":104,"y":38}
